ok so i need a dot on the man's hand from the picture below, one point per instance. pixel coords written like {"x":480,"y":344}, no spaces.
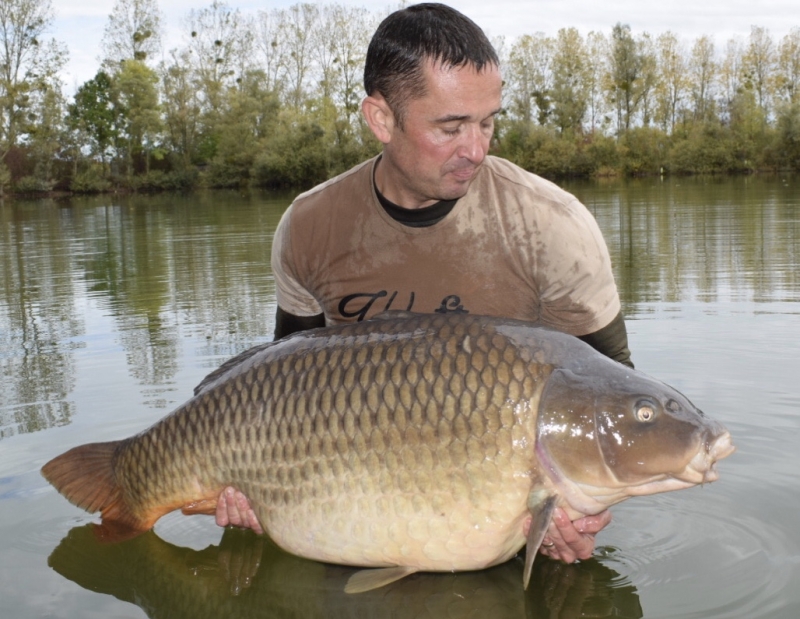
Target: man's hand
{"x":569,"y":541}
{"x":233,"y":508}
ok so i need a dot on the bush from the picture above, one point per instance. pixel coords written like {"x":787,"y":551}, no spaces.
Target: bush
{"x":31,"y":184}
{"x":643,"y":151}
{"x":221,"y":175}
{"x":709,"y":150}
{"x":89,"y":181}
{"x":157,"y":180}
{"x":603,"y":155}
{"x":297,"y":156}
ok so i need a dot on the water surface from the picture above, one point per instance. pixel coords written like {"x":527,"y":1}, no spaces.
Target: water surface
{"x":112,"y":309}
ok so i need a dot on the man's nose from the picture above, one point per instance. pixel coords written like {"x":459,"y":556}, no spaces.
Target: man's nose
{"x":474,"y":144}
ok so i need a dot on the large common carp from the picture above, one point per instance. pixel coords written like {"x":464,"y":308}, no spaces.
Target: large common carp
{"x":408,"y":442}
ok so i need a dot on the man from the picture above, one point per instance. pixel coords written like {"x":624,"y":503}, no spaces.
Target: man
{"x":436,"y":225}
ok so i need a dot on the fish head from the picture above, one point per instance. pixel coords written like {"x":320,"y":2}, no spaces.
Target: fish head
{"x":612,"y":432}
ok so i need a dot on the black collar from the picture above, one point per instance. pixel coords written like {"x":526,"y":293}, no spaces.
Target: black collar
{"x":416,"y":217}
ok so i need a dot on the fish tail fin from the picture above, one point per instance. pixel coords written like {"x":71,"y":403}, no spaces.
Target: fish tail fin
{"x":85,"y":476}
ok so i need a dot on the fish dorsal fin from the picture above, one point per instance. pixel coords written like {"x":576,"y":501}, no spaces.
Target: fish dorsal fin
{"x":541,"y":505}
{"x":367,"y":580}
{"x":230,"y":363}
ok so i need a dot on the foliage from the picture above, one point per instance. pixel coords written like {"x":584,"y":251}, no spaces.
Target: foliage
{"x":787,"y":143}
{"x":134,"y":88}
{"x":295,"y":156}
{"x":273,"y":99}
{"x":29,"y":66}
{"x":158,"y":180}
{"x":133,"y":31}
{"x":90,"y":180}
{"x":32,"y":184}
{"x":96,"y":114}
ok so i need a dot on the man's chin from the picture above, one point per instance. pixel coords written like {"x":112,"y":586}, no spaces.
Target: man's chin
{"x":454,"y":191}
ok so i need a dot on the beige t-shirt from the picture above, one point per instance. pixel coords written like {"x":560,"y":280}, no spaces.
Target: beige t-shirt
{"x":515,"y":246}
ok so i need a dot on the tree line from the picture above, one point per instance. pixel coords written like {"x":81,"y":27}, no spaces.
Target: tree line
{"x":272,"y":99}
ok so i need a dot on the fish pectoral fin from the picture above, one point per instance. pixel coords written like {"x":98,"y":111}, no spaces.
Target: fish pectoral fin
{"x":206,"y":507}
{"x":541,"y":505}
{"x":367,"y":580}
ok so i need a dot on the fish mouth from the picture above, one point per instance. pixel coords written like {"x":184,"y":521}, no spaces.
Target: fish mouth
{"x":702,"y":468}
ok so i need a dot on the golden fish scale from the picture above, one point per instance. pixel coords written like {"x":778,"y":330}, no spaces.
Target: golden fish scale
{"x":370,"y":449}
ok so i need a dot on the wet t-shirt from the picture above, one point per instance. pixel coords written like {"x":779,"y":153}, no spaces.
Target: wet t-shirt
{"x":515,"y":245}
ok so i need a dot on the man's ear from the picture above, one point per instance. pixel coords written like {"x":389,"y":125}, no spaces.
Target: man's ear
{"x":379,"y":117}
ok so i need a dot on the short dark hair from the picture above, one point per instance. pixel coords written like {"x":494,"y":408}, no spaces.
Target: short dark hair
{"x":409,"y":37}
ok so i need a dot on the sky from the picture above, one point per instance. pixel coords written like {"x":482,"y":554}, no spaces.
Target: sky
{"x":80,"y":23}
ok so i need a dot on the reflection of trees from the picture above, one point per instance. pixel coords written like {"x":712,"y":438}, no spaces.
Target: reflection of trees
{"x":699,"y":239}
{"x":246,"y":576}
{"x":170,"y":269}
{"x":37,"y":318}
{"x":184,"y":266}
{"x":165,"y":268}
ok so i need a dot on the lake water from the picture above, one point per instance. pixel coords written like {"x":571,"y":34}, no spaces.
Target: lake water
{"x":113,"y":308}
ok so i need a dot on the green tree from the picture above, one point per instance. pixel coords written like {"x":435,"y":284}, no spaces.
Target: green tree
{"x":271,"y":50}
{"x":529,"y":78}
{"x":28,"y":64}
{"x":788,"y":135}
{"x":249,"y":119}
{"x":96,"y":115}
{"x":297,"y":26}
{"x":626,"y":66}
{"x":702,"y":74}
{"x":730,"y":76}
{"x":133,"y":31}
{"x":47,"y":133}
{"x":135,"y":87}
{"x":787,"y":78}
{"x":182,"y":107}
{"x":219,"y":49}
{"x":596,"y":78}
{"x":339,"y":46}
{"x":570,"y":90}
{"x":645,"y":100}
{"x":672,"y":79}
{"x":758,"y":64}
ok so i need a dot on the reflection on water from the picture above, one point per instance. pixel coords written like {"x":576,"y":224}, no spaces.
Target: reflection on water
{"x":112,"y":309}
{"x":161,"y":266}
{"x":245,"y":574}
{"x":708,"y":239}
{"x":156,"y":266}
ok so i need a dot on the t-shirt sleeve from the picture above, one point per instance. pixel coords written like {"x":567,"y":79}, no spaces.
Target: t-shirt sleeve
{"x":577,"y":287}
{"x":291,"y":294}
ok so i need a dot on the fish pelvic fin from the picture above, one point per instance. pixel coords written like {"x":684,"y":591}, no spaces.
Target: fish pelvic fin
{"x":206,"y":507}
{"x":85,"y":476}
{"x":367,"y":580}
{"x":541,"y":505}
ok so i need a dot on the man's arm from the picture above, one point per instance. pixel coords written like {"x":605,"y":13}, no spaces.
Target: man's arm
{"x":286,"y":323}
{"x":611,"y":340}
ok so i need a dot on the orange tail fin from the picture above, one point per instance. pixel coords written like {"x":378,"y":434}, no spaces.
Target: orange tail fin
{"x":85,"y":476}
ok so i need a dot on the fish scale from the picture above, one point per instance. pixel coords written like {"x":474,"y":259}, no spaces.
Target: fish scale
{"x":409,"y":442}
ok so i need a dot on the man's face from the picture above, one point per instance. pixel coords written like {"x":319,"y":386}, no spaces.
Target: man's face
{"x":444,"y":138}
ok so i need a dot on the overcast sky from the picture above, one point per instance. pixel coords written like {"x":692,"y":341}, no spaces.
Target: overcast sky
{"x":80,"y":23}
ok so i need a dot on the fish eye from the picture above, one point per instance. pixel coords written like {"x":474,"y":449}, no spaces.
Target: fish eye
{"x":645,"y":411}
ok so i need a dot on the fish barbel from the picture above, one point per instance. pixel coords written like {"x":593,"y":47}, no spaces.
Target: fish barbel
{"x":407,"y":442}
